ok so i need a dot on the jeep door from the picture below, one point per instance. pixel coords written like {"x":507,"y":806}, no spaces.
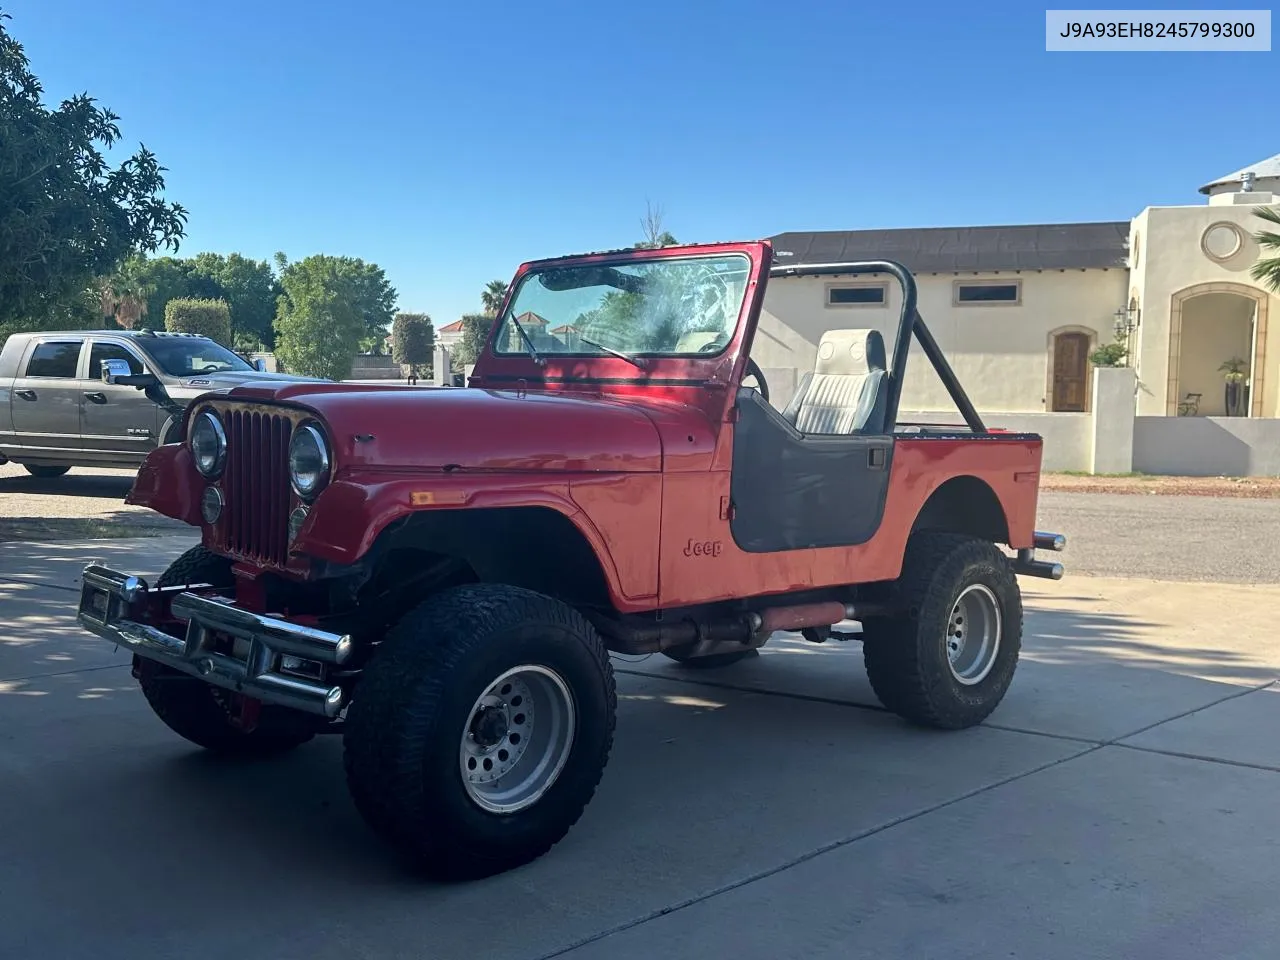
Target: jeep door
{"x":118,"y":422}
{"x":45,"y":399}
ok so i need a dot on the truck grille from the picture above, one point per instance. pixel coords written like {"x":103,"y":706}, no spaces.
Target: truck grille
{"x":256,"y":485}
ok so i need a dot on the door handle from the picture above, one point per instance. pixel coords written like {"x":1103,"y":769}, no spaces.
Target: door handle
{"x":96,"y":397}
{"x":876,"y":458}
{"x":26,"y":394}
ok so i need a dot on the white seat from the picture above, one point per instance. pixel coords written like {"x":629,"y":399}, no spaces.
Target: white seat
{"x":845,"y":394}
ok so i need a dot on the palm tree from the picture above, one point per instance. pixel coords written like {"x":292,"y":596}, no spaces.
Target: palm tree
{"x":123,"y":299}
{"x":495,"y":291}
{"x":1267,"y":269}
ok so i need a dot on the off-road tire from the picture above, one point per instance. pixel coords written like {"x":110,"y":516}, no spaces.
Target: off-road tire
{"x":906,"y":655}
{"x":199,"y":712}
{"x":711,"y":661}
{"x":44,"y":472}
{"x":404,"y":728}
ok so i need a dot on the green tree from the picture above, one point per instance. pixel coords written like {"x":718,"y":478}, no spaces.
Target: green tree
{"x":413,"y":340}
{"x":495,"y":291}
{"x":1267,"y":269}
{"x":209,"y":318}
{"x":66,"y":216}
{"x":318,"y":323}
{"x":475,"y":329}
{"x":251,"y":289}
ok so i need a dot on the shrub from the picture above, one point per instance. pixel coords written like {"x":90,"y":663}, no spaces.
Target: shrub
{"x":412,"y":341}
{"x":209,"y":318}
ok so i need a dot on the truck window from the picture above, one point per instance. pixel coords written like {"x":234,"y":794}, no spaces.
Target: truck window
{"x":55,"y":358}
{"x":112,"y":351}
{"x":192,"y":356}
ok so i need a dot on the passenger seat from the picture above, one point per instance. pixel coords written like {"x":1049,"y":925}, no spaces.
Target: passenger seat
{"x":845,"y":394}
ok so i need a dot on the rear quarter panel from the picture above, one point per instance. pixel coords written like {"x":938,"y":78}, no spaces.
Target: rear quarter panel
{"x":701,"y":562}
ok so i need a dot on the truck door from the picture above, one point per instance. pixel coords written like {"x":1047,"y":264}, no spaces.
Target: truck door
{"x":117,"y":422}
{"x":45,"y":399}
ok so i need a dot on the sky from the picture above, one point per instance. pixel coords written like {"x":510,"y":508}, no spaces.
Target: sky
{"x":449,"y":142}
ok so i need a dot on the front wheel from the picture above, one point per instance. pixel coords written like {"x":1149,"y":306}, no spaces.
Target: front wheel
{"x":480,"y":729}
{"x":209,"y":716}
{"x":949,"y":658}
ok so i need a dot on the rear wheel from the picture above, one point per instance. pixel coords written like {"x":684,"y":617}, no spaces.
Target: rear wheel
{"x":949,"y":658}
{"x":44,"y":472}
{"x":480,"y":729}
{"x":209,"y":716}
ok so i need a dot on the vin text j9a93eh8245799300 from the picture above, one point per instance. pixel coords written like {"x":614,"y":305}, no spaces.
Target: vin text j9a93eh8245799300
{"x":439,"y":575}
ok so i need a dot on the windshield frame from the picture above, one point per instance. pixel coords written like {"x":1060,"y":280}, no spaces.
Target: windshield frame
{"x":507,"y":321}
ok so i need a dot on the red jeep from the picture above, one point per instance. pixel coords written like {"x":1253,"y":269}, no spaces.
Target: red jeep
{"x":440,"y":574}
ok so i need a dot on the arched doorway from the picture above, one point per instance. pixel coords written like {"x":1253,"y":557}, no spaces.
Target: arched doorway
{"x":1069,"y":370}
{"x":1212,"y":325}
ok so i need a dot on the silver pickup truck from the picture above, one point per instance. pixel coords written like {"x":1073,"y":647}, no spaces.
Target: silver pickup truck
{"x":58,"y":410}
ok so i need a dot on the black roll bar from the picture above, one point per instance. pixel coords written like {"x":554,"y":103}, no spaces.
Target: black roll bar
{"x":909,"y":323}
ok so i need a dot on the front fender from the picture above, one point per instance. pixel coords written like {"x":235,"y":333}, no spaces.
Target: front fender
{"x":348,"y":517}
{"x":167,"y":483}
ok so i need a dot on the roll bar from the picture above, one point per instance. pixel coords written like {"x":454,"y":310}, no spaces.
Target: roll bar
{"x":909,"y":323}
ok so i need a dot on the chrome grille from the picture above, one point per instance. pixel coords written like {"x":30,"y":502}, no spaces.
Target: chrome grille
{"x":256,"y":483}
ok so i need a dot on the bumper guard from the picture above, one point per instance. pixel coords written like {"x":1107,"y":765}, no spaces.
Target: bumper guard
{"x":108,"y":600}
{"x":1027,"y":564}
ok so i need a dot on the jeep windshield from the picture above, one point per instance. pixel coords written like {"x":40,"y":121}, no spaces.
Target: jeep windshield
{"x":675,"y":307}
{"x":192,"y":356}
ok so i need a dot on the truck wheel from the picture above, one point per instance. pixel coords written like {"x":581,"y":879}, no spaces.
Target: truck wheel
{"x":204,"y":714}
{"x":480,"y":729}
{"x":948,"y":661}
{"x":44,"y":472}
{"x":711,"y":661}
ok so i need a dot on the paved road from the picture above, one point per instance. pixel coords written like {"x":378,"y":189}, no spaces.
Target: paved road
{"x":1210,"y":539}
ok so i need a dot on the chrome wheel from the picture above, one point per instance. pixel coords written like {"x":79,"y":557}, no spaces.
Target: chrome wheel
{"x":973,"y":634}
{"x":517,"y":738}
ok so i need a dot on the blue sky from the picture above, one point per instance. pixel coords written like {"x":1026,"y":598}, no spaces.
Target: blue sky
{"x":449,"y":142}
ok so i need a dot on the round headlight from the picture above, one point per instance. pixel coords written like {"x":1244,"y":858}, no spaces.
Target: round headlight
{"x":208,"y":445}
{"x":308,"y":461}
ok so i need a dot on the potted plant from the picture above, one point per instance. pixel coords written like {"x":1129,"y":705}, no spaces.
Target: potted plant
{"x":1233,"y":372}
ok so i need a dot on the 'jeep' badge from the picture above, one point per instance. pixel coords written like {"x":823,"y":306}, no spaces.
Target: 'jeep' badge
{"x":702,"y":548}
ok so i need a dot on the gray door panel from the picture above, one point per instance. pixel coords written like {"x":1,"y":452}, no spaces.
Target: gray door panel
{"x":45,"y":399}
{"x":116,"y":419}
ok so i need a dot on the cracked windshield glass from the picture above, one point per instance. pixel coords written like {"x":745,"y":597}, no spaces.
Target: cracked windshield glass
{"x":674,"y":307}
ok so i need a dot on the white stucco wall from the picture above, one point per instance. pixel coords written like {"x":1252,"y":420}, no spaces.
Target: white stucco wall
{"x":1207,"y":446}
{"x":999,"y":352}
{"x":1170,"y":260}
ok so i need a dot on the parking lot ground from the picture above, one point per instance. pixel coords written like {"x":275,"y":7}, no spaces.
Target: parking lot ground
{"x":1120,"y":803}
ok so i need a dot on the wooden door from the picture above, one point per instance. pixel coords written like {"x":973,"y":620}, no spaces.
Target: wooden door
{"x":1070,"y":372}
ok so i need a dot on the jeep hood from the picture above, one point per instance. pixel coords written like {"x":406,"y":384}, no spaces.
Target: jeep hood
{"x":399,"y":428}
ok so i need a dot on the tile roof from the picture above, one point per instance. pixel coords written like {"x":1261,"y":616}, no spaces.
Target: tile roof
{"x":1054,"y":246}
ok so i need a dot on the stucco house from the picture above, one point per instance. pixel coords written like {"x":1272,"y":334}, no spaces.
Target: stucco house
{"x":1019,"y":309}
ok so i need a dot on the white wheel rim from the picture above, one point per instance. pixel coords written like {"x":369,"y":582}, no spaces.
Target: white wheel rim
{"x":517,"y":738}
{"x":973,"y":634}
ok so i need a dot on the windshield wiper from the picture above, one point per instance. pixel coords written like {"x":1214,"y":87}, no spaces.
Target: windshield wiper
{"x":634,"y":361}
{"x":533,"y":351}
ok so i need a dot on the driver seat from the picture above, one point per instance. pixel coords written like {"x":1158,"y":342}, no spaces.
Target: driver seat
{"x":845,"y":393}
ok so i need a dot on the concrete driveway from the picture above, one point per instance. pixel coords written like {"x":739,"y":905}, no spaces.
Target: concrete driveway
{"x":1124,"y":802}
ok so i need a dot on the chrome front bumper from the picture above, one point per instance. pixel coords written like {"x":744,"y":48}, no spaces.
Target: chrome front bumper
{"x":107,"y":603}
